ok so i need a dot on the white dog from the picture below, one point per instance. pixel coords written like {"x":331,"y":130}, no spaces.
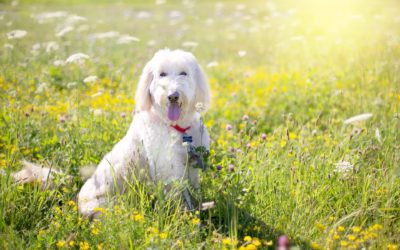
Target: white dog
{"x":170,"y":92}
{"x":170,"y":87}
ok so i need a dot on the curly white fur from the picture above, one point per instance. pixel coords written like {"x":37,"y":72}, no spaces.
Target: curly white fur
{"x":151,"y":143}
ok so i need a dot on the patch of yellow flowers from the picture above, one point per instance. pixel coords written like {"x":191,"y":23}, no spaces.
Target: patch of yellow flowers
{"x":357,"y":237}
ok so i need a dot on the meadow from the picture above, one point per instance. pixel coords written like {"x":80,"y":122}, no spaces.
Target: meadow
{"x":285,"y":160}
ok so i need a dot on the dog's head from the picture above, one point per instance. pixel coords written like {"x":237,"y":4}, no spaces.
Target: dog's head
{"x":173,"y":84}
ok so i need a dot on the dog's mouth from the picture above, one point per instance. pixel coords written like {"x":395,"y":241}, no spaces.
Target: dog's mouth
{"x":174,"y":111}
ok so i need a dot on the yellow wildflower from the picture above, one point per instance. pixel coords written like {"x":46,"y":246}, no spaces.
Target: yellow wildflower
{"x":117,"y":210}
{"x":341,"y":228}
{"x":195,"y":221}
{"x":351,"y":237}
{"x":100,"y":246}
{"x":95,"y":230}
{"x":60,"y":244}
{"x":71,"y":243}
{"x":84,"y":245}
{"x":251,"y":247}
{"x":256,"y":241}
{"x":344,"y":243}
{"x":392,"y":247}
{"x":99,"y":209}
{"x":137,"y":217}
{"x":336,"y":236}
{"x":360,"y":241}
{"x":163,"y":236}
{"x":293,"y":135}
{"x":282,"y":143}
{"x":315,"y":245}
{"x":227,"y":241}
{"x":268,"y":243}
{"x":376,"y":227}
{"x":320,"y":226}
{"x":152,"y":230}
{"x":179,"y":243}
{"x":247,"y":238}
{"x":71,"y":203}
{"x":356,"y":229}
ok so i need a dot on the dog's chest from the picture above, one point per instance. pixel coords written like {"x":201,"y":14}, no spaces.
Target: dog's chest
{"x":166,"y":156}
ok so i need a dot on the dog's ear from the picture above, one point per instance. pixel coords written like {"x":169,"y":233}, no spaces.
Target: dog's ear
{"x":143,"y":97}
{"x":203,"y":94}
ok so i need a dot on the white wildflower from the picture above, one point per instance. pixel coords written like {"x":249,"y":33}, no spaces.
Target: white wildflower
{"x":200,"y":107}
{"x":378,"y":135}
{"x":8,"y":46}
{"x":175,"y":14}
{"x":212,"y":64}
{"x":64,"y":31}
{"x":90,"y":79}
{"x":125,"y":39}
{"x":151,"y":43}
{"x":83,"y":27}
{"x":358,"y":118}
{"x":190,"y":44}
{"x":343,"y":167}
{"x":78,"y":58}
{"x":16,"y":34}
{"x":51,"y":46}
{"x":242,"y":53}
{"x":105,"y":35}
{"x":59,"y":63}
{"x":71,"y":85}
{"x":46,"y":16}
{"x":159,"y":2}
{"x":41,"y":87}
{"x":207,"y":205}
{"x":71,"y":20}
{"x":143,"y":15}
{"x":35,"y":49}
{"x":97,"y":94}
{"x":97,"y":112}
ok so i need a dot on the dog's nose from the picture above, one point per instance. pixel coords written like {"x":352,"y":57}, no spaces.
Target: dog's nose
{"x":174,"y":97}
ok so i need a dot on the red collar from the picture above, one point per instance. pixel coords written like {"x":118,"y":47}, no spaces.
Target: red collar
{"x":180,"y":129}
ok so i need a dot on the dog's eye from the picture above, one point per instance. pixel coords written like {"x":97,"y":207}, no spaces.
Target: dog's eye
{"x":162,"y":74}
{"x":183,"y":73}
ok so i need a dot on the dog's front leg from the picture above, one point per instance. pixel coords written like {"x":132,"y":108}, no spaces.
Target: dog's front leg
{"x":107,"y":179}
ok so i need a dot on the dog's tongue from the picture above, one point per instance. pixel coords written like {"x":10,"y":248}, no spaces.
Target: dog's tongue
{"x":174,"y":111}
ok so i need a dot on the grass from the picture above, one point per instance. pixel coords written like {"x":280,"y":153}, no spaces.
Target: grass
{"x":308,"y":66}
